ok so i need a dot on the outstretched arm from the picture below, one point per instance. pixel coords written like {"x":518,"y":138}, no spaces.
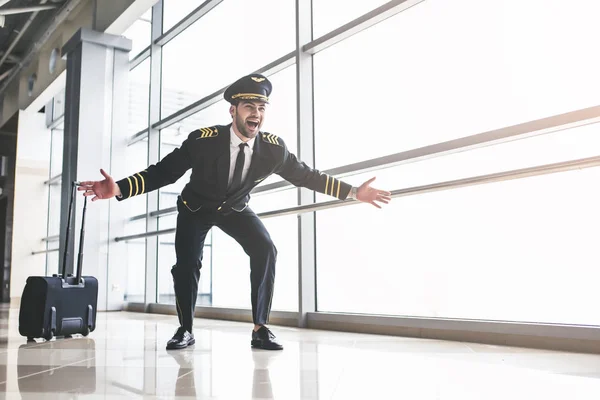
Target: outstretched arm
{"x":300,"y":174}
{"x":163,"y":173}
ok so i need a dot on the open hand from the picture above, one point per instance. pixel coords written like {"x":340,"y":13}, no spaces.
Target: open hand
{"x":104,"y":189}
{"x":367,"y":194}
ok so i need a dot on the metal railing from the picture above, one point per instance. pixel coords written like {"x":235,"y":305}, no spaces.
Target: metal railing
{"x":140,"y":58}
{"x":43,"y":251}
{"x":55,"y":179}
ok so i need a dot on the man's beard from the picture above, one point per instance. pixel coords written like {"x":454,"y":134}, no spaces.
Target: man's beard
{"x":241,"y":126}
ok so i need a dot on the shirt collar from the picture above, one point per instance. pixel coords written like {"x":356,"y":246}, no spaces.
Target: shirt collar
{"x":235,"y":141}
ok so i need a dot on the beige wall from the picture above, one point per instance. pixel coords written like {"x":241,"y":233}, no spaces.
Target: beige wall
{"x":31,"y":200}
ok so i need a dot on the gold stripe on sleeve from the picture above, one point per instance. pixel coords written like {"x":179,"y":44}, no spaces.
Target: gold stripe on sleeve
{"x":130,"y":188}
{"x":143,"y":183}
{"x":137,"y":188}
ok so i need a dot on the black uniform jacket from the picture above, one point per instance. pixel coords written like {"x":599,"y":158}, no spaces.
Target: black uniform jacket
{"x":207,"y":152}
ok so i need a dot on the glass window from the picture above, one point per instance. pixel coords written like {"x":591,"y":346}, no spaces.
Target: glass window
{"x":543,"y":149}
{"x":56,"y":150}
{"x":281,"y":117}
{"x":231,"y":267}
{"x":331,"y":14}
{"x":140,"y":34}
{"x":53,"y":259}
{"x":58,"y":109}
{"x":137,"y":156}
{"x":54,"y":193}
{"x":520,"y":250}
{"x":167,"y":259}
{"x":139,"y":97}
{"x":439,"y":84}
{"x":263,"y":202}
{"x":176,"y":10}
{"x":136,"y":262}
{"x":56,"y":159}
{"x":54,"y":196}
{"x":218,"y":60}
{"x":223,"y":282}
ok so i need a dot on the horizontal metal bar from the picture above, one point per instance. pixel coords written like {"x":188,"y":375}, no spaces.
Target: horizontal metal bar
{"x":57,"y":121}
{"x":162,"y":213}
{"x":361,"y":23}
{"x":446,"y":185}
{"x":158,"y":213}
{"x":53,"y":180}
{"x":582,"y":332}
{"x":140,"y":58}
{"x":43,"y":251}
{"x":154,"y":214}
{"x":208,"y":101}
{"x":144,"y":235}
{"x":51,"y":238}
{"x":569,"y":120}
{"x":141,"y":135}
{"x":188,"y":20}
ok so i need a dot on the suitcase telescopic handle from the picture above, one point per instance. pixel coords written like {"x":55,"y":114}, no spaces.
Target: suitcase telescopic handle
{"x":80,"y":255}
{"x":67,"y":234}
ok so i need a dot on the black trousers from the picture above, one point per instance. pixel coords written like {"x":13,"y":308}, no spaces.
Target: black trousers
{"x":248,"y":230}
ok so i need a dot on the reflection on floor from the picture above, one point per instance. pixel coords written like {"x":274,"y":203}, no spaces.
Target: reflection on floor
{"x":126,"y":358}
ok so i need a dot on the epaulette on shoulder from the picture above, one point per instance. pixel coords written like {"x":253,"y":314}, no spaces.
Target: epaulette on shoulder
{"x":270,"y":138}
{"x":208,"y":133}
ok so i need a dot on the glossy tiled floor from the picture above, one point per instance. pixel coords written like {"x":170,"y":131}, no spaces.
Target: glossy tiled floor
{"x":125,"y":358}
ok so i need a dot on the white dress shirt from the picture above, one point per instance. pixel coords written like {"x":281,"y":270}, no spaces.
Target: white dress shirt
{"x":234,"y":149}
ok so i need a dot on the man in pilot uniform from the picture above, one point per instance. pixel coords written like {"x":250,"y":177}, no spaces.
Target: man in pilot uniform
{"x":227,"y":162}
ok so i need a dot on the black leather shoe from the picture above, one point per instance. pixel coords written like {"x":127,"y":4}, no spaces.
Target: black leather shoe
{"x":265,"y":339}
{"x":181,"y":340}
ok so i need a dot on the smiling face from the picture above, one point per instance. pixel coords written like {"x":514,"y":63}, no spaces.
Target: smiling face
{"x":248,"y":117}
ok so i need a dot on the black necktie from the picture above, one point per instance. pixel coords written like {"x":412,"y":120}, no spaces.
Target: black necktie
{"x":236,"y":182}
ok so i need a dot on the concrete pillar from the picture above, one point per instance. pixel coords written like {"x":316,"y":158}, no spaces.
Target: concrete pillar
{"x":95,"y":110}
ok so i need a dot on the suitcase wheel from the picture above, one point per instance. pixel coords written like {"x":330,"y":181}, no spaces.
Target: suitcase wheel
{"x":50,"y":335}
{"x":86,"y":331}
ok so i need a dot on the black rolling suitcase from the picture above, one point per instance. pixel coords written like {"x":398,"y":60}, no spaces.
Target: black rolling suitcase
{"x":58,"y":305}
